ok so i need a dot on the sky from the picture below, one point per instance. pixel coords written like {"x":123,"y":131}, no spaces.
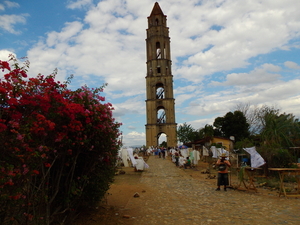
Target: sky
{"x":224,"y":53}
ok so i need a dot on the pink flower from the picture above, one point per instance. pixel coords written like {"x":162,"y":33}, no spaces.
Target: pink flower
{"x":19,"y":137}
{"x":26,"y":170}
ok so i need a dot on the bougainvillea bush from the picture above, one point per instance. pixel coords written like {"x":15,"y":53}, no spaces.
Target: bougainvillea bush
{"x":58,"y":147}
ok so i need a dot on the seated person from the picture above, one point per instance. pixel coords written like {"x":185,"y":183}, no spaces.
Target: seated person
{"x":188,"y":162}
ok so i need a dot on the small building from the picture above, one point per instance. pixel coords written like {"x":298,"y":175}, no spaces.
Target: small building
{"x":219,"y":141}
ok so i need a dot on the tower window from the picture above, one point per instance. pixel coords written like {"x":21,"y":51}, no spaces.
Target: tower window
{"x":158,"y":69}
{"x":161,"y":116}
{"x":158,"y":50}
{"x":156,"y":21}
{"x":160,"y":93}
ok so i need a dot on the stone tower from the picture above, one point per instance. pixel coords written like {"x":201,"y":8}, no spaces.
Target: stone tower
{"x":160,"y":102}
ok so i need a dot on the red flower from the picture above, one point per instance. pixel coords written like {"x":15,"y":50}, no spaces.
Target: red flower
{"x":47,"y":164}
{"x":2,"y":127}
{"x":35,"y":172}
{"x":4,"y":65}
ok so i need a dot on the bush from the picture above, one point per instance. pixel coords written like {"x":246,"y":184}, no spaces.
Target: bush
{"x":58,"y":147}
{"x":277,"y":157}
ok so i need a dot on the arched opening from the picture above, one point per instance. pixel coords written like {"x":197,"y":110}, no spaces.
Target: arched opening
{"x":161,"y":115}
{"x":162,"y":140}
{"x":158,"y":50}
{"x":160,"y":91}
{"x":156,"y":21}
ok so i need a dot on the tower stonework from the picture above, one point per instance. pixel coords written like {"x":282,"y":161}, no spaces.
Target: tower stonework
{"x":160,"y":102}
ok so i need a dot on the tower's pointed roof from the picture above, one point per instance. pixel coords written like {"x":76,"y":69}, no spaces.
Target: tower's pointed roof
{"x":156,"y":10}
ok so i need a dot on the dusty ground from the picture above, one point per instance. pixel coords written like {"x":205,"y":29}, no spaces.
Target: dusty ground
{"x":117,"y":210}
{"x":113,"y":208}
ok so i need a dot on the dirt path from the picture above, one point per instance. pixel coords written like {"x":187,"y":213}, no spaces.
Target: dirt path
{"x":169,"y":195}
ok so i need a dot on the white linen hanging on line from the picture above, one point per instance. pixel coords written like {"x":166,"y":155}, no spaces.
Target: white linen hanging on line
{"x":124,"y":157}
{"x":130,"y":153}
{"x":256,"y":159}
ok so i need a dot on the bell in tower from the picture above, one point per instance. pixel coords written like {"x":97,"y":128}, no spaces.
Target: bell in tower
{"x":160,"y":102}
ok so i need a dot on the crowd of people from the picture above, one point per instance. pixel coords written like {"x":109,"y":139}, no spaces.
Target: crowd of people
{"x":181,"y":157}
{"x":188,"y":158}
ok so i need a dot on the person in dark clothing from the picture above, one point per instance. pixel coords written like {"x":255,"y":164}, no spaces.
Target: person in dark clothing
{"x":223,"y":165}
{"x":188,"y":162}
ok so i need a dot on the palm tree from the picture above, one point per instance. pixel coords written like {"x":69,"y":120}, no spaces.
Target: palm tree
{"x":280,"y":130}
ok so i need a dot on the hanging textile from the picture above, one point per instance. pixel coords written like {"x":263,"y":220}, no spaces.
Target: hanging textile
{"x":130,"y":153}
{"x":256,"y":159}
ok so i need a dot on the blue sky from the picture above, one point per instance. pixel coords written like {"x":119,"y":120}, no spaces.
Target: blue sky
{"x":224,"y":52}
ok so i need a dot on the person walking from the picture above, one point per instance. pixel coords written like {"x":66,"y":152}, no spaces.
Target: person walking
{"x":176,"y":158}
{"x":163,"y":152}
{"x":223,"y":165}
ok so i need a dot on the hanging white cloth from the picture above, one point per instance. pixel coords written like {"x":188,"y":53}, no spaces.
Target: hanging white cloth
{"x":214,"y":151}
{"x":196,"y":157}
{"x":256,"y":159}
{"x":124,"y":157}
{"x":219,"y":152}
{"x":205,"y":151}
{"x":191,"y":156}
{"x":141,"y":165}
{"x":130,"y":153}
{"x":184,"y":152}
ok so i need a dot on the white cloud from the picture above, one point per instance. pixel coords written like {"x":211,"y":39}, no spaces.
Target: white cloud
{"x":134,"y":138}
{"x":209,"y":40}
{"x":135,"y":105}
{"x":248,"y":28}
{"x":10,"y":4}
{"x":292,"y":65}
{"x":263,"y":74}
{"x":7,"y":22}
{"x":79,"y":4}
{"x":4,"y":54}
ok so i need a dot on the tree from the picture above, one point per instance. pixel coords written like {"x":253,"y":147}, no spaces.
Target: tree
{"x":207,"y":132}
{"x":273,"y":132}
{"x":280,"y":130}
{"x":255,"y":115}
{"x":251,"y":113}
{"x":186,"y":133}
{"x":163,"y":144}
{"x":58,"y":147}
{"x":218,"y":124}
{"x":232,"y":124}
